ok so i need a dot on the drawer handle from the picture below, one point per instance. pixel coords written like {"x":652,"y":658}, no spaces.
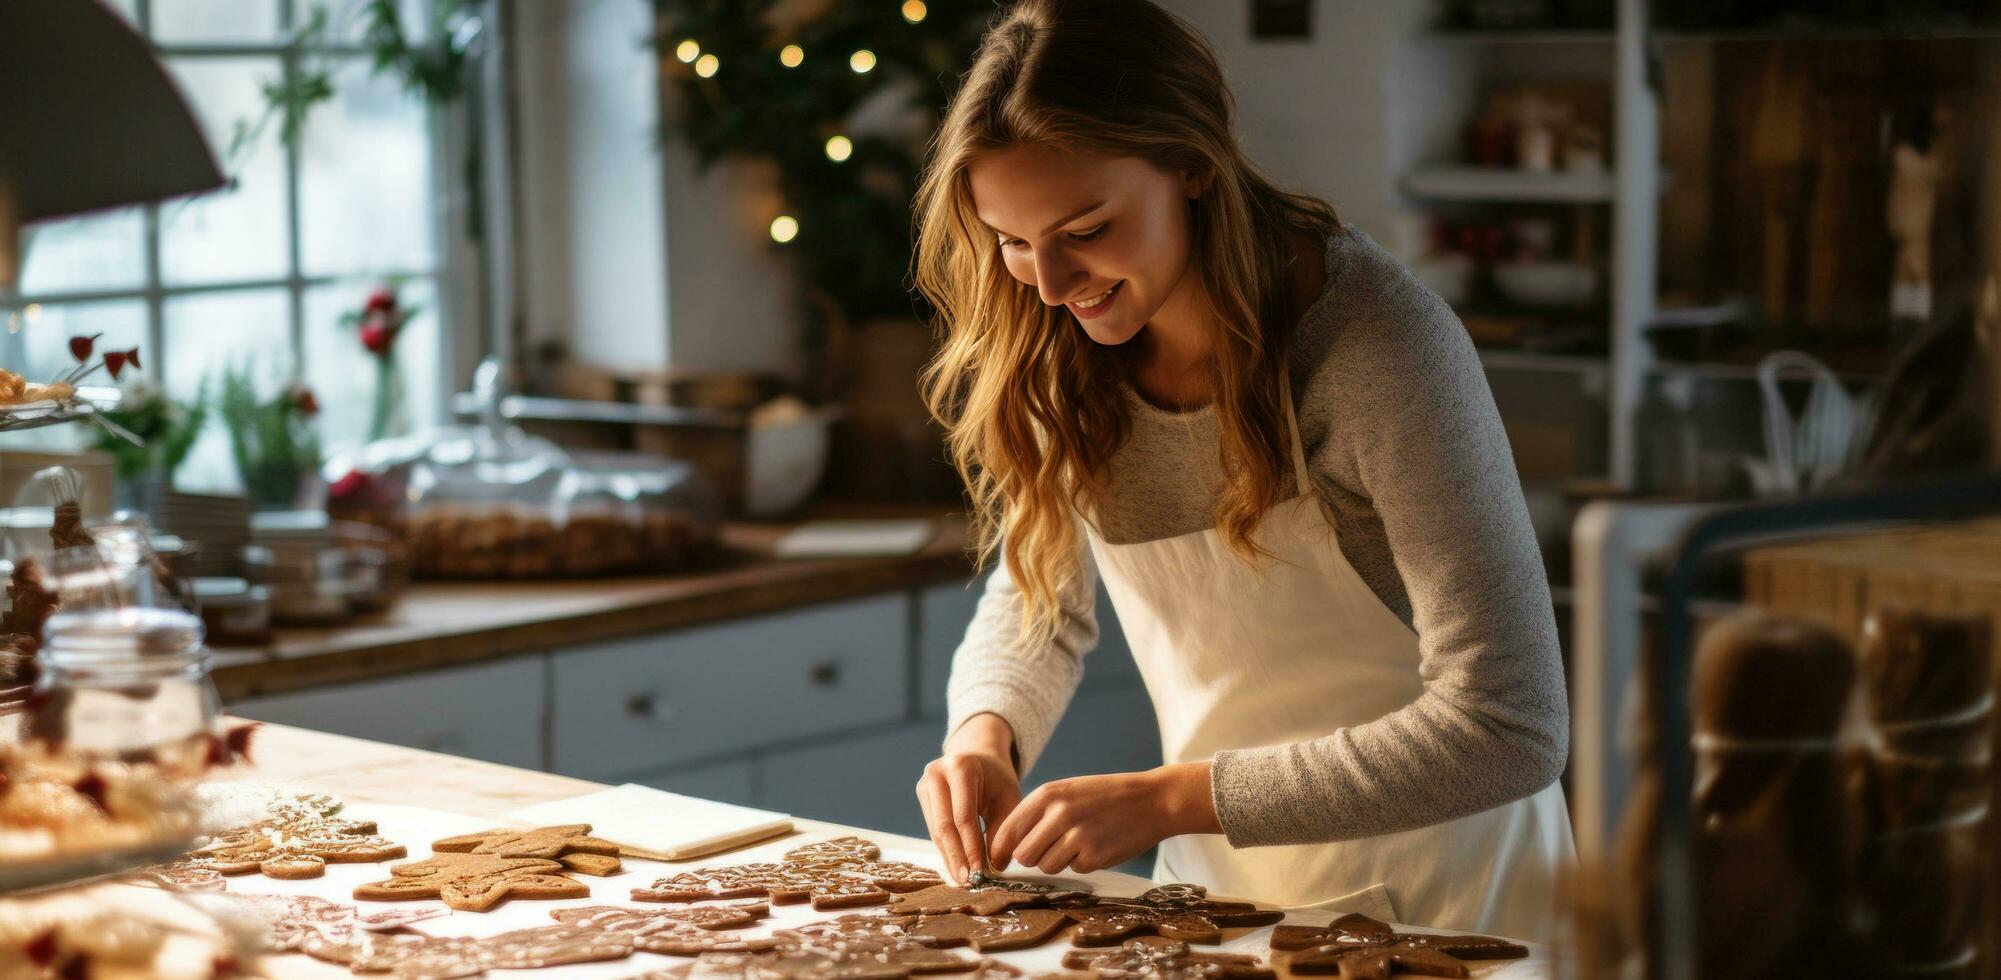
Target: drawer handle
{"x":645,"y":705}
{"x":826,"y":673}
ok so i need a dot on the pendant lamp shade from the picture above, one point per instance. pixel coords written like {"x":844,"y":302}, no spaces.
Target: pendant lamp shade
{"x":88,"y":120}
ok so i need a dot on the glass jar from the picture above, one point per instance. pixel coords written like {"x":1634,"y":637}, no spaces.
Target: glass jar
{"x":124,"y":671}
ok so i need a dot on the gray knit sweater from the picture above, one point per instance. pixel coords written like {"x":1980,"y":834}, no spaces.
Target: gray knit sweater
{"x":1405,"y":445}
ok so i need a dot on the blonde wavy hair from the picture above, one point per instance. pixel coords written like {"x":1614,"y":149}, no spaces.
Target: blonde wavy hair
{"x":1030,"y":404}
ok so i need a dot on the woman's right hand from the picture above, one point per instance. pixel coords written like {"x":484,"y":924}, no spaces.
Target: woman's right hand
{"x":974,"y":778}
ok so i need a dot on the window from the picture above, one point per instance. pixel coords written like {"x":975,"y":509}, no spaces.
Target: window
{"x":257,"y":274}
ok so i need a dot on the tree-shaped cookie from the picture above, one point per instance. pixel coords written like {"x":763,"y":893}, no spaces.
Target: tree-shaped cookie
{"x":1357,"y":946}
{"x":677,"y":932}
{"x":1157,"y":958}
{"x":569,"y":844}
{"x":1019,"y":929}
{"x":1177,"y":911}
{"x":473,"y":882}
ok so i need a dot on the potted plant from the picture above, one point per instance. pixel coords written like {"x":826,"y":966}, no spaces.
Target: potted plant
{"x":272,"y":439}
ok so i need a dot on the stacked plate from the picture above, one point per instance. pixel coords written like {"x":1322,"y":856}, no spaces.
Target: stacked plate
{"x":321,"y":571}
{"x":220,"y":523}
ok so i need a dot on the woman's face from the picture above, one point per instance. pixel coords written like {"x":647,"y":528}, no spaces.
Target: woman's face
{"x":1107,"y":237}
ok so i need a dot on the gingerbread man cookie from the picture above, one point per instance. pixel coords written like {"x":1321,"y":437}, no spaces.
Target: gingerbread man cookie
{"x":1358,"y":946}
{"x":1177,"y":911}
{"x":1157,"y":958}
{"x":845,"y":872}
{"x":414,"y":956}
{"x":1019,"y":929}
{"x":299,"y":848}
{"x":473,"y":882}
{"x":678,"y":932}
{"x":567,"y":844}
{"x":988,"y":895}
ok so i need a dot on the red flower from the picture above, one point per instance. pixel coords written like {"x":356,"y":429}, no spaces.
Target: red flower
{"x":305,"y":402}
{"x":348,"y":487}
{"x":382,"y":300}
{"x":378,"y":335}
{"x":115,"y":361}
{"x":80,"y":347}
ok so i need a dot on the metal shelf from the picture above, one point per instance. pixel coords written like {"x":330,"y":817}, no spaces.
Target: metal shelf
{"x":1501,"y":185}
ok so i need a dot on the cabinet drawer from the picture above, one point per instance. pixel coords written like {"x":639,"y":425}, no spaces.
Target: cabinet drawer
{"x":944,"y":611}
{"x":654,"y":702}
{"x":869,"y":781}
{"x":491,"y":711}
{"x":729,"y":782}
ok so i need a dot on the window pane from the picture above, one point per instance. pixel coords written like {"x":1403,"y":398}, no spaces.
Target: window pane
{"x":344,"y":375}
{"x":215,"y":20}
{"x":99,"y":251}
{"x":346,"y":23}
{"x":208,"y":332}
{"x":126,"y":9}
{"x":365,"y":178}
{"x":239,"y":232}
{"x":40,"y":351}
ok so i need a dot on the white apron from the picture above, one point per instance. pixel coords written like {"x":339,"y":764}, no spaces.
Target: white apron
{"x":1238,"y":657}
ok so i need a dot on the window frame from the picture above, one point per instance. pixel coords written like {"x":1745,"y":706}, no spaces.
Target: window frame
{"x":454,"y":273}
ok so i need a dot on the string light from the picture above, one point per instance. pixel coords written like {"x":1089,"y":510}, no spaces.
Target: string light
{"x":839,"y":148}
{"x":706,"y":66}
{"x":784,"y":228}
{"x":687,"y":51}
{"x":914,"y":10}
{"x":33,"y":312}
{"x":862,"y":61}
{"x":791,"y":55}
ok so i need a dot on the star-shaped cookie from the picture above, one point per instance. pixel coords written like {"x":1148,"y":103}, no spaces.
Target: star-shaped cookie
{"x":473,"y":882}
{"x":1177,"y":911}
{"x":568,"y":844}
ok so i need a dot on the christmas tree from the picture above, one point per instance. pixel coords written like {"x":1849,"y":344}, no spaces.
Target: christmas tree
{"x":838,"y":95}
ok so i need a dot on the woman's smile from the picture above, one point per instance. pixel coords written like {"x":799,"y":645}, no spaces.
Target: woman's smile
{"x":1096,"y":306}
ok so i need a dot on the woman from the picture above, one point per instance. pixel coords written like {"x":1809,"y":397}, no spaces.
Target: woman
{"x":1279,"y":452}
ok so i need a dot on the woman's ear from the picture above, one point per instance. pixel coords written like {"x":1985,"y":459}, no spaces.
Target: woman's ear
{"x":1195,"y":183}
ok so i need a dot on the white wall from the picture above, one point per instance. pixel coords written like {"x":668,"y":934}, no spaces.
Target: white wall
{"x":1314,"y":113}
{"x":624,"y":243}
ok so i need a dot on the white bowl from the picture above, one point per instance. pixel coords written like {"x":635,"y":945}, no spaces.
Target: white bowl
{"x":1449,"y":274}
{"x":1546,"y":283}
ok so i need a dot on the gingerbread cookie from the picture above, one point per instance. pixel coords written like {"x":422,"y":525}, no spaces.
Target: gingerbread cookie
{"x":882,"y":939}
{"x":677,"y":932}
{"x":473,"y":882}
{"x":988,"y":895}
{"x":314,"y":926}
{"x":298,"y":849}
{"x":841,"y":873}
{"x":1177,"y":911}
{"x":838,"y":851}
{"x":1158,"y":958}
{"x":1019,"y":929}
{"x":413,"y":956}
{"x":567,"y":844}
{"x":1355,"y":945}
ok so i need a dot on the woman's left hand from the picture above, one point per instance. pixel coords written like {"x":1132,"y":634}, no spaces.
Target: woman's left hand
{"x":1095,"y":822}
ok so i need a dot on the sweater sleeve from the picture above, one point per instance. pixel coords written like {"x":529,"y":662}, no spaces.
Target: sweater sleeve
{"x":1418,"y":431}
{"x":1027,"y":683}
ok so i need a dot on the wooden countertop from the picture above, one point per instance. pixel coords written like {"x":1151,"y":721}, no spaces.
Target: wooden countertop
{"x":444,"y":624}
